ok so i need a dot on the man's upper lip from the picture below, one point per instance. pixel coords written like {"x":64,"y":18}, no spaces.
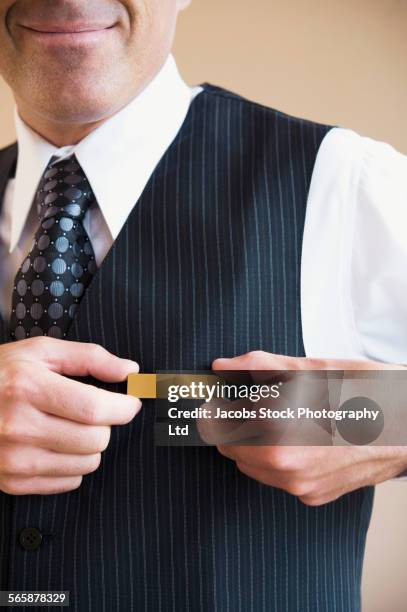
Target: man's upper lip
{"x":66,"y":28}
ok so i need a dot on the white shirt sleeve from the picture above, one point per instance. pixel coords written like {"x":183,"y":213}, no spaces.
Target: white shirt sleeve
{"x":354,"y":259}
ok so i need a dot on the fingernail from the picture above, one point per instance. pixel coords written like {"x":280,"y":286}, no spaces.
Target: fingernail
{"x":132,"y":365}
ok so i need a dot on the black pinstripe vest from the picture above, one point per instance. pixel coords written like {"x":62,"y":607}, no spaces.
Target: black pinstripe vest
{"x":207,"y":265}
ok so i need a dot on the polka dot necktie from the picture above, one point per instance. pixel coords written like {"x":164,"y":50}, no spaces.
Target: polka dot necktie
{"x":55,"y":274}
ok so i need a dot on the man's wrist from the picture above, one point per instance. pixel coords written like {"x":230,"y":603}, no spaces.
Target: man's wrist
{"x":403,"y":473}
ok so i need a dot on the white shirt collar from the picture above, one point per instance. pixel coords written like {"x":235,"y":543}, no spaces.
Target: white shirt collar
{"x":118,"y":157}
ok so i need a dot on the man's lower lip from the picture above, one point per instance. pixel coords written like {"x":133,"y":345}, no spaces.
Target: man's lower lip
{"x":68,"y":37}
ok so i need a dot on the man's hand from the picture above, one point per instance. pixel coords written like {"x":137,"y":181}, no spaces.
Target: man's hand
{"x":315,"y":474}
{"x":54,"y":429}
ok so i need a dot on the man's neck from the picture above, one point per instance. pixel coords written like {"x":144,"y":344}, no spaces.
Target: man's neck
{"x":57,"y":133}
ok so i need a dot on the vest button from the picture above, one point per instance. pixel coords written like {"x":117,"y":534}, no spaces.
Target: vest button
{"x":30,"y":538}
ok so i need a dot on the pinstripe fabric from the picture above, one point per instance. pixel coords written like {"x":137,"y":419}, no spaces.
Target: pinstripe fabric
{"x":207,"y":265}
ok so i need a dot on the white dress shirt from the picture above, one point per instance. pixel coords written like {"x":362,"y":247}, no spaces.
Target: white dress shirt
{"x":354,"y":259}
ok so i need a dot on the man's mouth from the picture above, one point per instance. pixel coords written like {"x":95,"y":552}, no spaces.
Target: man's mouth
{"x":60,"y":36}
{"x":71,"y":29}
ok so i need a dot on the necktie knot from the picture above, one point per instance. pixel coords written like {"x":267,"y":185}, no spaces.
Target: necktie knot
{"x":64,"y":190}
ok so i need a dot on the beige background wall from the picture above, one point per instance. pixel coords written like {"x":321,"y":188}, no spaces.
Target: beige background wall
{"x":336,"y":61}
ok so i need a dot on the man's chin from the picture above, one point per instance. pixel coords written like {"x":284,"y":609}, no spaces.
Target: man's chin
{"x":74,"y":96}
